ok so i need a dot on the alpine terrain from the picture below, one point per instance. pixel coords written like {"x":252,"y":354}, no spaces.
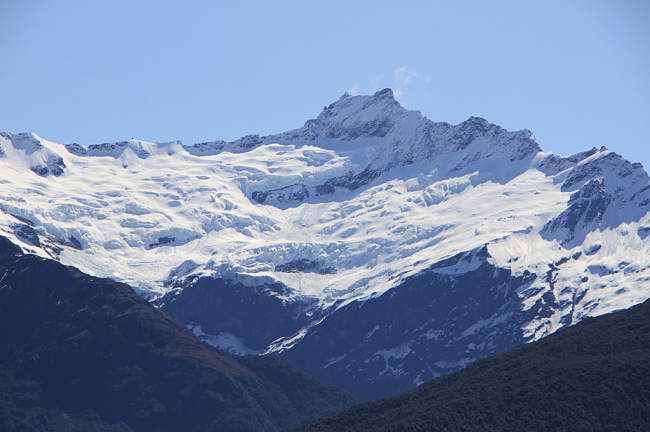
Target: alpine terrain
{"x":78,"y":353}
{"x":372,"y":247}
{"x":594,"y":376}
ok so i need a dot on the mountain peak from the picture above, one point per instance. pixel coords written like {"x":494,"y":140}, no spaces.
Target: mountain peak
{"x":385,"y":93}
{"x":350,"y":118}
{"x":342,"y":210}
{"x":477,"y":123}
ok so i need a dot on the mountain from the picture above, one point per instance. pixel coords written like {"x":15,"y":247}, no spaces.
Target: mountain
{"x":78,"y":353}
{"x":594,"y":376}
{"x":372,"y":247}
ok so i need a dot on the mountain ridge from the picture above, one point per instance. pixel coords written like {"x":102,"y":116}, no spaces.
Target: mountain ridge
{"x":590,"y":377}
{"x":322,"y":221}
{"x":79,"y":352}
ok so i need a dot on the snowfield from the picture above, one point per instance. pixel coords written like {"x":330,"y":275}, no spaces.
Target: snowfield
{"x":343,"y":209}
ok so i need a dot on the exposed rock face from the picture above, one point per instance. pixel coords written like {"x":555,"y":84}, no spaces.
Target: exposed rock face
{"x":41,"y":160}
{"x":411,"y":138}
{"x":372,"y":246}
{"x":607,"y":192}
{"x":601,"y":362}
{"x":430,"y":325}
{"x":437,"y":322}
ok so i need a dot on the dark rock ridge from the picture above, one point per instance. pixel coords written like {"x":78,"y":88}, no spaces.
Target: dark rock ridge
{"x":306,"y":266}
{"x":82,"y":353}
{"x":294,"y":193}
{"x":555,"y":164}
{"x":586,"y":207}
{"x":46,"y":162}
{"x":28,"y":234}
{"x":609,"y":191}
{"x":108,"y":149}
{"x":54,"y":165}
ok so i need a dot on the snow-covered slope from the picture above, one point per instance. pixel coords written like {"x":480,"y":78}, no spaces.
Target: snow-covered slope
{"x":360,"y":201}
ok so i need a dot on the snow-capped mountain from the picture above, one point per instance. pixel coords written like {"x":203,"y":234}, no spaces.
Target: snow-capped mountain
{"x":372,"y":247}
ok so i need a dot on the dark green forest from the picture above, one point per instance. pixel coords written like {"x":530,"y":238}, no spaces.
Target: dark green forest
{"x":594,"y":376}
{"x":78,"y":353}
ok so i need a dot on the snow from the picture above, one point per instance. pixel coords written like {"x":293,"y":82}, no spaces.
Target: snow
{"x":152,"y":214}
{"x":396,"y":353}
{"x":334,"y":360}
{"x":224,"y":341}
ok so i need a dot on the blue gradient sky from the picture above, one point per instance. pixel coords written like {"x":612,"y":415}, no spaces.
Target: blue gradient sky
{"x":576,"y":73}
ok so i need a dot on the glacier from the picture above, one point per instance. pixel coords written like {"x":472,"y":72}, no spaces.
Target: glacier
{"x":343,"y":212}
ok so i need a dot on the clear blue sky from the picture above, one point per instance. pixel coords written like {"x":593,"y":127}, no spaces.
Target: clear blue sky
{"x":576,"y":73}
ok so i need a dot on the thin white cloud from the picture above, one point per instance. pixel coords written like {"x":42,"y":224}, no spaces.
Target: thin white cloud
{"x":375,"y":83}
{"x":368,"y":86}
{"x":402,"y":76}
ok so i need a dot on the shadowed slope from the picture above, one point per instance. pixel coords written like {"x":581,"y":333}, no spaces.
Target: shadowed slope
{"x":82,"y":353}
{"x":594,"y":376}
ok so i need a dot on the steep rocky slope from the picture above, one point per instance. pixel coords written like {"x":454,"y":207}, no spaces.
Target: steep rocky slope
{"x":81,"y":353}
